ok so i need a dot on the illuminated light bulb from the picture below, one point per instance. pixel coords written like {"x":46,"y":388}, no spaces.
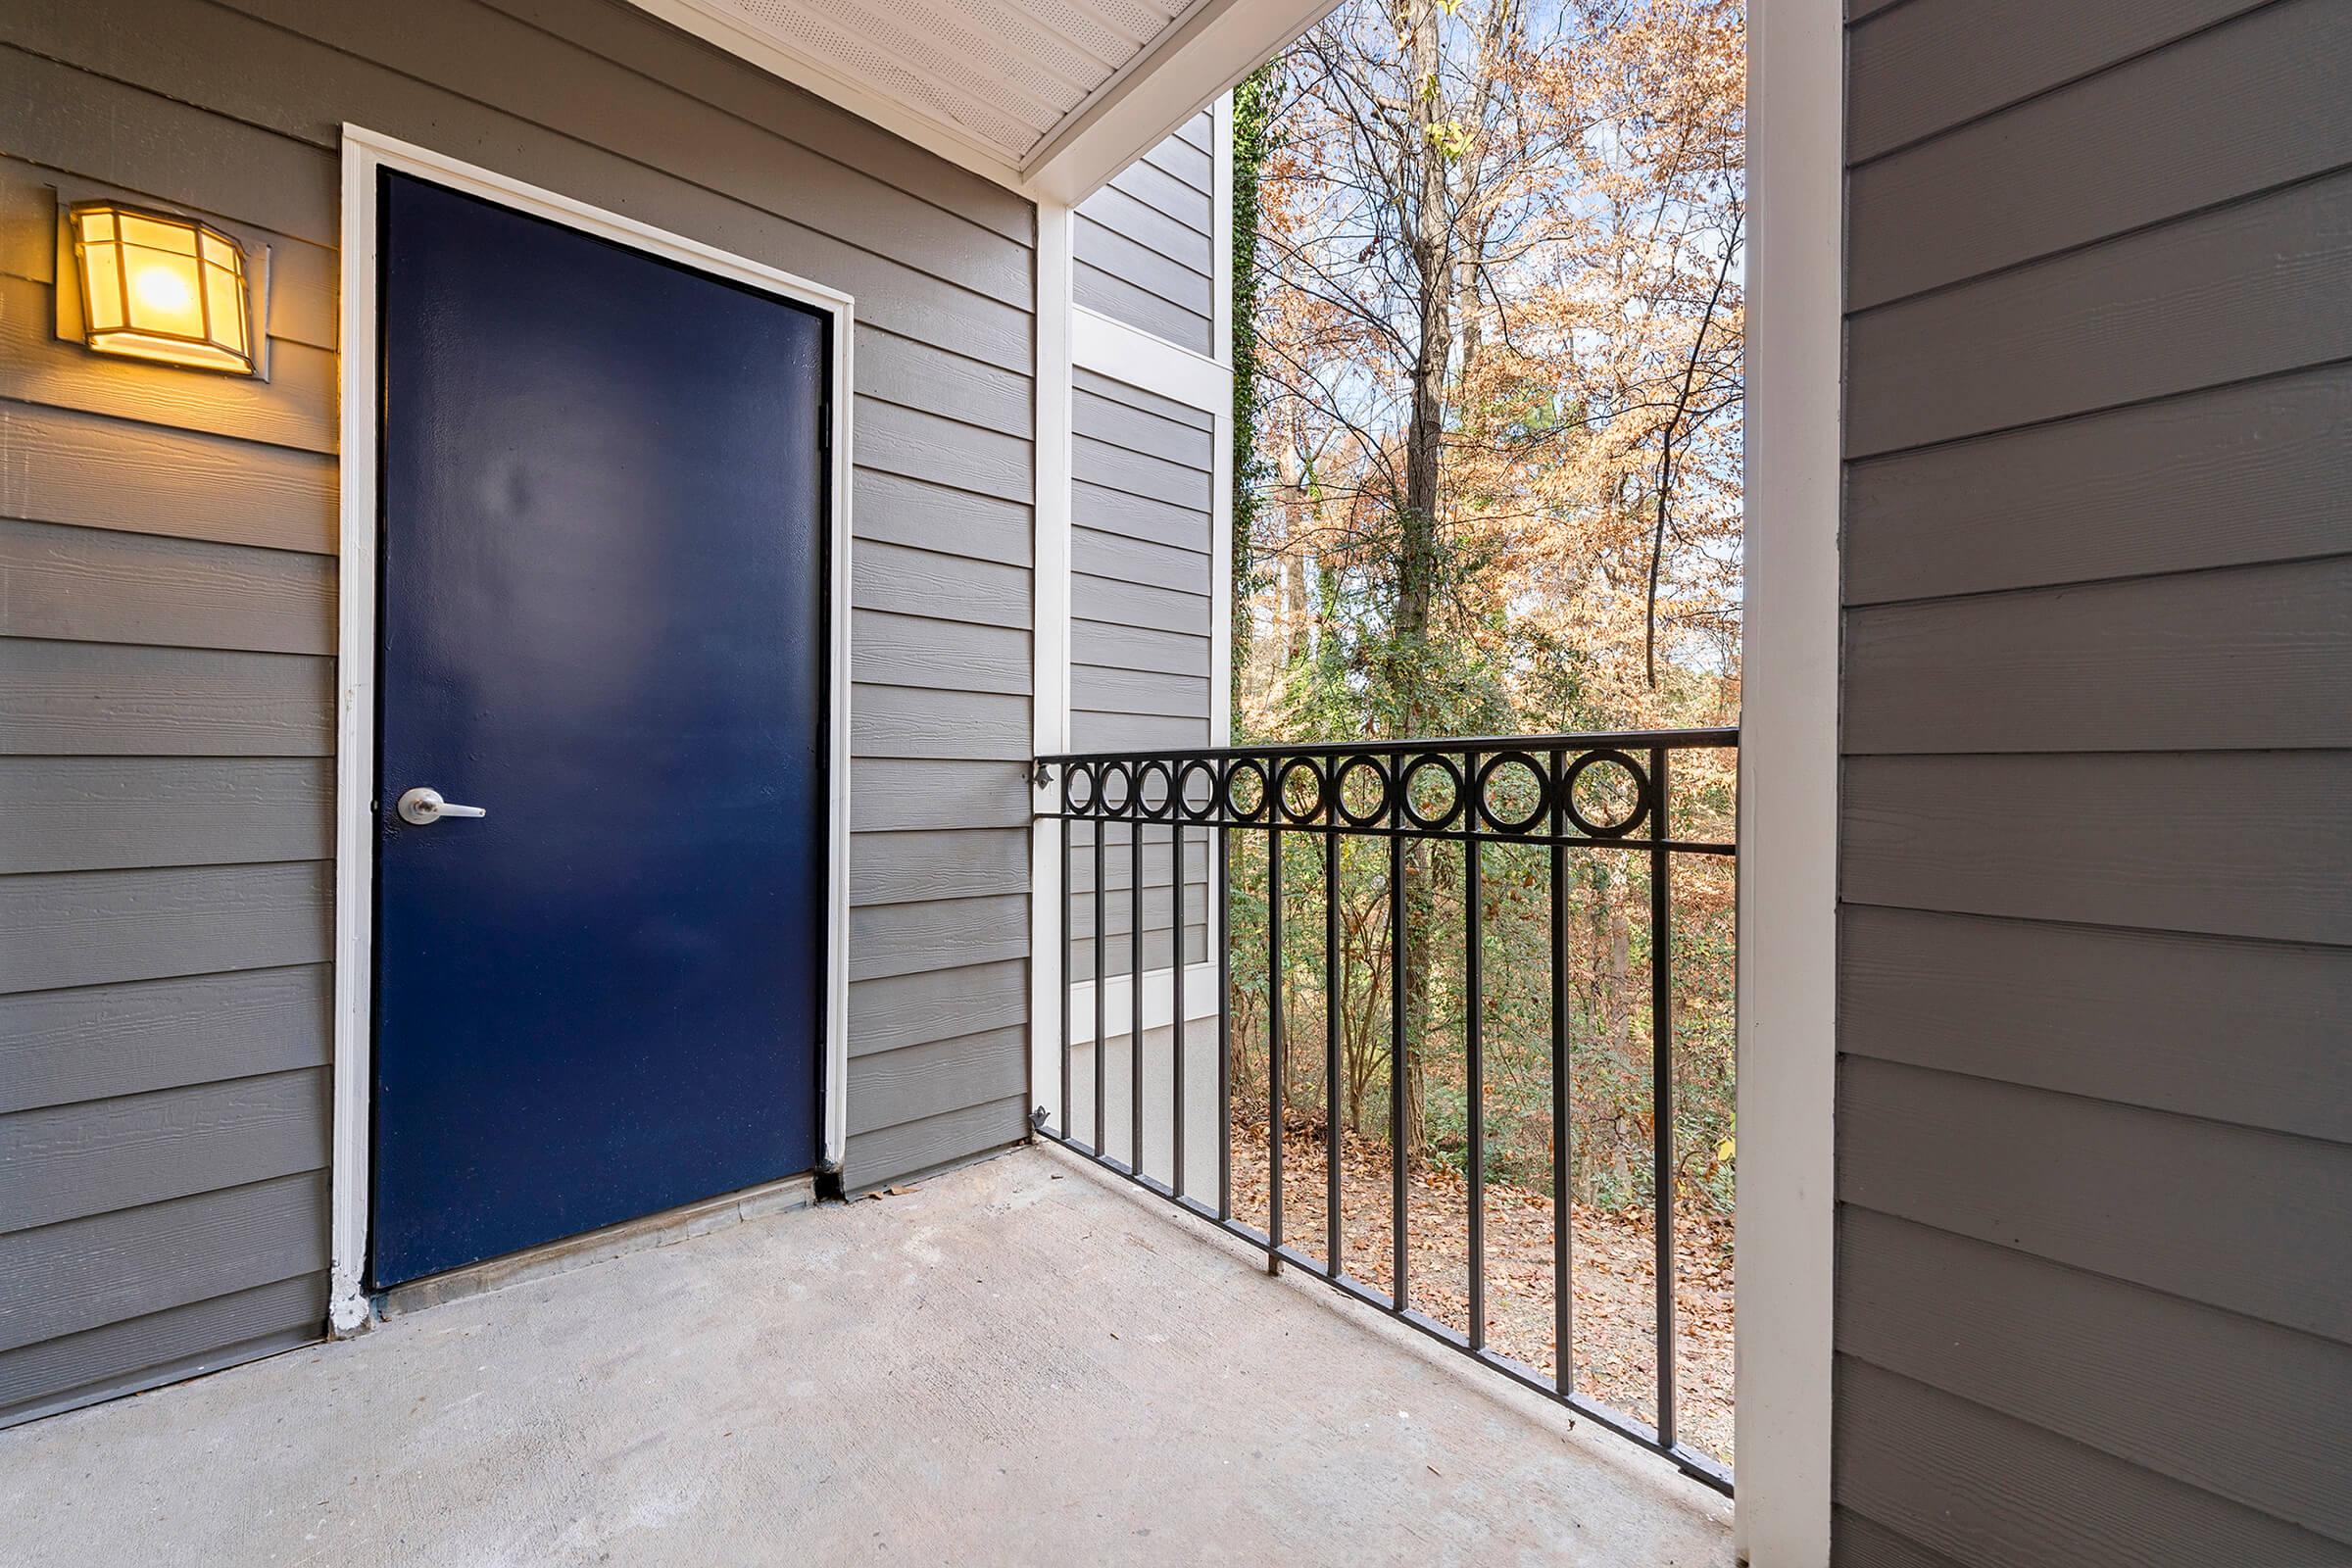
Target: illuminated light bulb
{"x":162,"y":291}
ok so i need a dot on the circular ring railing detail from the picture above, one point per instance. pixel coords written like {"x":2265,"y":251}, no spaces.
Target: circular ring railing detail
{"x":1371,"y":816}
{"x":1165,"y":773}
{"x":1235,"y":771}
{"x":1641,"y":793}
{"x":1303,"y":813}
{"x":1485,"y":793}
{"x":1538,"y":789}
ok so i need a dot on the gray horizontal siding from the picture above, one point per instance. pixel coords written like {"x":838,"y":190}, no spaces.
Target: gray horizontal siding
{"x":1142,"y":244}
{"x":159,"y":1348}
{"x":66,"y":1161}
{"x":2229,"y":1216}
{"x":2095,"y":954}
{"x":893,"y":510}
{"x":898,"y":797}
{"x":98,"y":472}
{"x":1920,"y":67}
{"x":911,"y":1147}
{"x":928,"y":865}
{"x":167,"y":578}
{"x":2248,"y":658}
{"x":87,"y":813}
{"x":2248,"y":843}
{"x":888,"y":721}
{"x":94,"y":1043}
{"x":2117,"y":1014}
{"x":2224,"y":295}
{"x":1125,"y":606}
{"x":937,"y":934}
{"x":1138,"y":650}
{"x":1141,"y":520}
{"x":2014,"y":1494}
{"x":1144,"y":732}
{"x":295,"y":407}
{"x":115,"y":700}
{"x":109,"y":1268}
{"x":2270,"y":109}
{"x":913,"y":1083}
{"x":909,"y":650}
{"x":923,"y":1006}
{"x":82,"y":585}
{"x":2070,"y":1349}
{"x":88,"y":928}
{"x":2231,"y":476}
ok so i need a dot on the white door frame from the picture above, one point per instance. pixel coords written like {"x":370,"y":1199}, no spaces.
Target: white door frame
{"x":1787,"y":942}
{"x":364,"y":153}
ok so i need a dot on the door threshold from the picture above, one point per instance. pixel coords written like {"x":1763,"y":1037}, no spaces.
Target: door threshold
{"x":562,"y":1257}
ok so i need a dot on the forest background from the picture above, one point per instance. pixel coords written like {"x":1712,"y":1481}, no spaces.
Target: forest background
{"x":1490,"y":312}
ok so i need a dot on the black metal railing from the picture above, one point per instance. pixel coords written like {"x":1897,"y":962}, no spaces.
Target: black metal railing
{"x":1607,"y":794}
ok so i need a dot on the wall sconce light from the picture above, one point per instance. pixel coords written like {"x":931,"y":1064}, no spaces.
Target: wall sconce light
{"x":159,"y":287}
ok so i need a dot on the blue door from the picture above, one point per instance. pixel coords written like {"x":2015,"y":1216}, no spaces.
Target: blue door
{"x":601,"y":624}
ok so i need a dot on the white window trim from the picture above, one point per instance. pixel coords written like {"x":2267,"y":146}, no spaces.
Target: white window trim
{"x":1144,"y":359}
{"x":1787,"y":942}
{"x":365,"y":153}
{"x":1159,"y":1001}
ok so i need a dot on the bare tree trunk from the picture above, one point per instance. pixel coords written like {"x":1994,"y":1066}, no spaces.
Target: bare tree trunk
{"x":1297,"y":615}
{"x":1619,"y":975}
{"x":1417,"y":558}
{"x":1434,"y":168}
{"x":1432,"y":250}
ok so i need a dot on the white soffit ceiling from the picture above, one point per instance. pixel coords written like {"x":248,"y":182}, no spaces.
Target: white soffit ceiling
{"x":1001,"y":78}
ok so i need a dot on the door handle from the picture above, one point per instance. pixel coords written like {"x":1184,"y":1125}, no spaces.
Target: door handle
{"x":424,"y":807}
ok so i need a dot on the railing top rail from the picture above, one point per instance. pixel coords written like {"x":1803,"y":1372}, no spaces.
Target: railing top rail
{"x":1677,"y":738}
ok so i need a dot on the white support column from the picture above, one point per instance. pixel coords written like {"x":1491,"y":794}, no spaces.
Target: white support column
{"x":1220,"y":545}
{"x":1787,"y":942}
{"x":1049,"y":649}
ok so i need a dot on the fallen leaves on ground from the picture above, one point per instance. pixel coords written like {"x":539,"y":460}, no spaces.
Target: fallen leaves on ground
{"x":1613,"y":1253}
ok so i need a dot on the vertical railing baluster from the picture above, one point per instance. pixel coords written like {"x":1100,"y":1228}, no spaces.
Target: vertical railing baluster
{"x":1176,"y":1023}
{"x":1473,"y":1042}
{"x":1400,"y":1063}
{"x":1222,"y":837}
{"x":1274,"y":1030}
{"x":1333,"y":990}
{"x":1662,"y":1082}
{"x":1135,"y":974}
{"x":1101,"y":902}
{"x":1563,"y":1262}
{"x":1062,"y":970}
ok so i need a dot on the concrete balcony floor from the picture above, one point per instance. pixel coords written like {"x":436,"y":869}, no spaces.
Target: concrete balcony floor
{"x":1020,"y":1361}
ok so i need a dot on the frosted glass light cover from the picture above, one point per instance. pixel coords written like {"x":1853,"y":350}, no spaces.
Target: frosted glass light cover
{"x":159,"y":287}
